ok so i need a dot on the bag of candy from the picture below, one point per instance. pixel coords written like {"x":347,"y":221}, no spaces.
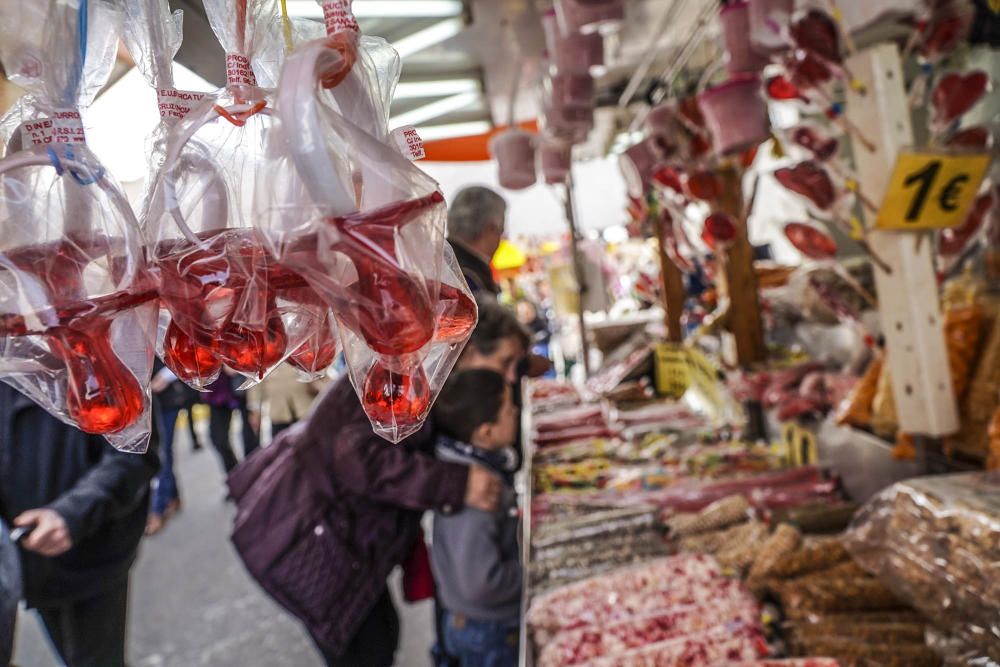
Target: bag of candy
{"x":365,"y":228}
{"x":230,"y":302}
{"x":77,"y":300}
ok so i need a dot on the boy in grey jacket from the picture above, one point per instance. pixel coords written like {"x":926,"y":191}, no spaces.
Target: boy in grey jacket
{"x":475,"y":555}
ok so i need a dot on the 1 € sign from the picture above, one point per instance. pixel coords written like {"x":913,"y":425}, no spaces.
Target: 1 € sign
{"x":931,"y":190}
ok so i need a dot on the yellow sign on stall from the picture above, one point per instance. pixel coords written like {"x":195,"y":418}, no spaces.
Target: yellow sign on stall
{"x":705,"y":377}
{"x":671,"y":371}
{"x":931,"y":190}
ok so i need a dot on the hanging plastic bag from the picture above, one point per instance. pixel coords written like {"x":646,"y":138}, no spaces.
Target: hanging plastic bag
{"x":229,"y":301}
{"x":365,"y":228}
{"x":77,"y":301}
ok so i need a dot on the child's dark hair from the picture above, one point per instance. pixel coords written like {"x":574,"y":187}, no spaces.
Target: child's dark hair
{"x":468,"y":400}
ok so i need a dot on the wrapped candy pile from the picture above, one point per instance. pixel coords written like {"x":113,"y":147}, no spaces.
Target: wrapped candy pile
{"x":673,"y":611}
{"x":937,"y":539}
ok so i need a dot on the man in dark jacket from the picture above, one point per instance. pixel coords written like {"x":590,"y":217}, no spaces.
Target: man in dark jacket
{"x":87,"y":503}
{"x":476,"y":222}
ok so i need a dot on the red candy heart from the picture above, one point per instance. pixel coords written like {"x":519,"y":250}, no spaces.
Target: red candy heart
{"x":719,"y":230}
{"x":809,"y":180}
{"x":953,"y":241}
{"x":972,"y":137}
{"x":704,"y":185}
{"x":955,"y":94}
{"x":810,"y":241}
{"x":780,"y":88}
{"x":670,"y":178}
{"x":944,"y":33}
{"x":817,"y":32}
{"x":807,"y":70}
{"x":821,"y":147}
{"x":395,"y":398}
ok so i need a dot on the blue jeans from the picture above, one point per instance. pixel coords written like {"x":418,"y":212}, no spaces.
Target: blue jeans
{"x":480,"y":643}
{"x":166,"y":484}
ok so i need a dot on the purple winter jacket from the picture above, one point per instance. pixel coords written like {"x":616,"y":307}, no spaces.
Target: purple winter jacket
{"x":370,"y":496}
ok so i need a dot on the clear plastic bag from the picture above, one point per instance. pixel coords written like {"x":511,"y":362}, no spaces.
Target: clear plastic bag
{"x":935,"y":541}
{"x":230,"y":302}
{"x":365,"y":228}
{"x":76,"y":296}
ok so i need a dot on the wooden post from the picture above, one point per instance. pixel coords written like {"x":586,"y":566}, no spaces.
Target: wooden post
{"x":908,"y":296}
{"x":671,"y":285}
{"x":737,"y":282}
{"x":581,"y":279}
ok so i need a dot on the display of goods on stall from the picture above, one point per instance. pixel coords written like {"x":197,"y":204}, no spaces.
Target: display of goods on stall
{"x":79,"y":319}
{"x":566,"y":549}
{"x":935,"y":538}
{"x":376,"y":255}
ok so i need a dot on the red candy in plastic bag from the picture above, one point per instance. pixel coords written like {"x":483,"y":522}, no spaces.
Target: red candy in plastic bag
{"x":401,"y":398}
{"x":77,"y":319}
{"x":103,"y":396}
{"x":365,"y":229}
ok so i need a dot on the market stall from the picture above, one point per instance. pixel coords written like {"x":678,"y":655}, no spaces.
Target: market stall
{"x":727,"y":484}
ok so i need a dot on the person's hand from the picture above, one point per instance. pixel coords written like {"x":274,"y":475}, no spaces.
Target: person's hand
{"x":50,"y":536}
{"x":482,"y":490}
{"x":159,"y":384}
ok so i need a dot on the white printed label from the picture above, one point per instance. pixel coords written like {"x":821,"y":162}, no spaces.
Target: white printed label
{"x":408,"y":142}
{"x":338,"y":16}
{"x":238,"y":70}
{"x":176,"y":104}
{"x":62,"y":127}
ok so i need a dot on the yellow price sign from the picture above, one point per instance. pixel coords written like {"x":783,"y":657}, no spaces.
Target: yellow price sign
{"x":931,"y":190}
{"x":672,"y":375}
{"x":705,"y":376}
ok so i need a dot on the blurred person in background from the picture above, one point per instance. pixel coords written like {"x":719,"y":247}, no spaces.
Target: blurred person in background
{"x":85,"y":504}
{"x":530,"y":315}
{"x":223,"y":399}
{"x":169,"y":397}
{"x":476,"y":222}
{"x":283,"y":398}
{"x":192,"y":397}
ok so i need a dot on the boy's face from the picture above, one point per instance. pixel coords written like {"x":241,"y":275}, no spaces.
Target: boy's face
{"x":503,"y":431}
{"x":504,"y":359}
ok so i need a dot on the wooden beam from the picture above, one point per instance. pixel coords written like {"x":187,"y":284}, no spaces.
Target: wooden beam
{"x":671,"y":285}
{"x":908,"y":297}
{"x":737,"y":282}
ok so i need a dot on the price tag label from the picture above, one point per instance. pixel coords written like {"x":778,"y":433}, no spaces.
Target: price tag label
{"x":931,"y":190}
{"x":673,"y":376}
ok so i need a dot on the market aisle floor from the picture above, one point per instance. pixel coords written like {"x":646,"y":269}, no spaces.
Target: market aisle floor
{"x":194,"y":606}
